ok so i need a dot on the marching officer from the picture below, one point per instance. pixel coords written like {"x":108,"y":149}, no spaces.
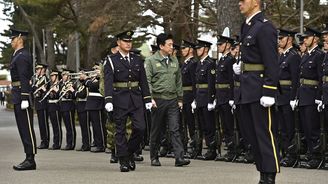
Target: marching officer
{"x":204,"y":103}
{"x":224,"y":92}
{"x":39,"y":91}
{"x":258,"y":71}
{"x":126,"y":92}
{"x":21,"y":71}
{"x":310,"y":94}
{"x":81,"y":94}
{"x":94,"y":106}
{"x":289,"y":62}
{"x":52,"y":97}
{"x":188,"y":70}
{"x":67,"y":109}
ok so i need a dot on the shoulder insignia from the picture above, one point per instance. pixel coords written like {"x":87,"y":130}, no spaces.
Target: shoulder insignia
{"x":265,"y":20}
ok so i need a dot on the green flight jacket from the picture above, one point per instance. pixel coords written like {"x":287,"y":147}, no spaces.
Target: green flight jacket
{"x":164,"y":79}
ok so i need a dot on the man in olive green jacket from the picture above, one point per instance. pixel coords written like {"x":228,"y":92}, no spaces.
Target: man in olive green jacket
{"x":164,"y":79}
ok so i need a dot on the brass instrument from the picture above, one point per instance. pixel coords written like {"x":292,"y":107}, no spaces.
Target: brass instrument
{"x":38,"y":89}
{"x":65,"y":89}
{"x":90,"y":74}
{"x":50,"y":89}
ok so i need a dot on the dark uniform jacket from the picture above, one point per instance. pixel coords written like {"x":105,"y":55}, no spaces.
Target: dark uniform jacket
{"x":311,"y":69}
{"x":21,"y":69}
{"x":224,"y":79}
{"x":39,"y":93}
{"x":95,"y":101}
{"x":81,"y":94}
{"x":52,"y":99}
{"x":119,"y":71}
{"x":188,"y":70}
{"x":325,"y":80}
{"x":205,"y":75}
{"x":288,"y":73}
{"x":259,"y":46}
{"x":66,"y":103}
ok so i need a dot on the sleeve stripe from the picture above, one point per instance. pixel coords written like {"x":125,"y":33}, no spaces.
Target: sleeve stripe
{"x":270,"y":87}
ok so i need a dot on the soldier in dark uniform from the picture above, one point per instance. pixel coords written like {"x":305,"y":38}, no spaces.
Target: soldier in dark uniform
{"x":39,"y":90}
{"x":258,"y":87}
{"x":188,"y":70}
{"x":288,"y":80}
{"x":53,"y":109}
{"x":310,"y":95}
{"x":94,"y":106}
{"x":205,"y":96}
{"x":325,"y":33}
{"x":126,"y":91}
{"x":224,"y":92}
{"x":21,"y":71}
{"x":81,"y":94}
{"x":67,"y":109}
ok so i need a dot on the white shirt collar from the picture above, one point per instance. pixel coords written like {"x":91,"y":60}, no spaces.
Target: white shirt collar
{"x":312,"y":49}
{"x":287,"y":49}
{"x":250,"y":18}
{"x":186,"y":60}
{"x":203,"y":58}
{"x":127,"y":55}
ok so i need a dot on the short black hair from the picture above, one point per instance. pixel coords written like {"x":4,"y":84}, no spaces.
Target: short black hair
{"x":161,"y":38}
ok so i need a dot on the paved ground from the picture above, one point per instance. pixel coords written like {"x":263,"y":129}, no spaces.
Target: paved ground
{"x":75,"y":167}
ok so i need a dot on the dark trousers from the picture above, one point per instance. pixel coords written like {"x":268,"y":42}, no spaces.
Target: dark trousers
{"x":96,"y":117}
{"x":310,"y":122}
{"x":124,"y":146}
{"x":259,"y":127}
{"x":207,"y":123}
{"x":24,"y":120}
{"x":189,"y":119}
{"x":85,"y":128}
{"x":43,"y":125}
{"x":68,"y":117}
{"x":226,"y":118}
{"x":167,"y":111}
{"x":56,"y":128}
{"x":287,"y":125}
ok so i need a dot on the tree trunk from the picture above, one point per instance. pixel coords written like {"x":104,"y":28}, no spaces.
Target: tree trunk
{"x":228,"y":16}
{"x":50,"y":48}
{"x":71,"y":52}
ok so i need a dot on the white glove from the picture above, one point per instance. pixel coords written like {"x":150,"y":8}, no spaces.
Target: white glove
{"x":214,"y":103}
{"x":267,"y":101}
{"x":237,"y":68}
{"x":210,"y":107}
{"x":24,"y":104}
{"x":293,"y":104}
{"x":320,"y":105}
{"x":109,"y":107}
{"x":231,"y":103}
{"x":148,"y":105}
{"x":193,"y":105}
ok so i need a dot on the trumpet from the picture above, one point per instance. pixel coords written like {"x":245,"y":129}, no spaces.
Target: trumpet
{"x":89,"y":74}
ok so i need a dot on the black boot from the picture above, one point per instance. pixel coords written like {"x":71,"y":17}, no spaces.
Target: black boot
{"x":27,"y":164}
{"x":113,"y":157}
{"x":262,"y":178}
{"x":132,"y":163}
{"x":124,"y":164}
{"x":43,"y":145}
{"x":138,"y":157}
{"x":181,"y":162}
{"x":270,"y":178}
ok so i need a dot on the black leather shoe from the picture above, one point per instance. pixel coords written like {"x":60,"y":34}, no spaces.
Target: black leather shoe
{"x":181,"y":162}
{"x":210,"y":155}
{"x":269,"y":178}
{"x":97,"y":150}
{"x":124,"y":164}
{"x":54,"y":147}
{"x":107,"y":150}
{"x":155,"y":162}
{"x":68,"y":147}
{"x":113,"y":158}
{"x":288,"y":161}
{"x":163,"y":152}
{"x":228,"y":157}
{"x":219,"y":158}
{"x":138,"y":158}
{"x":262,"y":178}
{"x":83,"y":148}
{"x":25,"y":165}
{"x":43,"y":145}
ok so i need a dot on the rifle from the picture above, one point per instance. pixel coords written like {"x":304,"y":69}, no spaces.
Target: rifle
{"x":323,"y":142}
{"x":198,"y":137}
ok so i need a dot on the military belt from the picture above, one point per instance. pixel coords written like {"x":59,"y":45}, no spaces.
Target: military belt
{"x":247,"y":67}
{"x":16,"y":84}
{"x":66,"y":100}
{"x":187,"y":88}
{"x":325,"y":78}
{"x":95,"y":94}
{"x":285,"y":82}
{"x":126,"y":85}
{"x":236,"y":84}
{"x":309,"y":82}
{"x":201,"y":86}
{"x":222,"y":86}
{"x":52,"y":101}
{"x":81,"y":100}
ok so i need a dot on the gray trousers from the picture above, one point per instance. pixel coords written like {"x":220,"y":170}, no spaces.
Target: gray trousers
{"x":167,"y":111}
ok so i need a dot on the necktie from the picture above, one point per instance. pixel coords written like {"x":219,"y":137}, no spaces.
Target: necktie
{"x":127,"y":59}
